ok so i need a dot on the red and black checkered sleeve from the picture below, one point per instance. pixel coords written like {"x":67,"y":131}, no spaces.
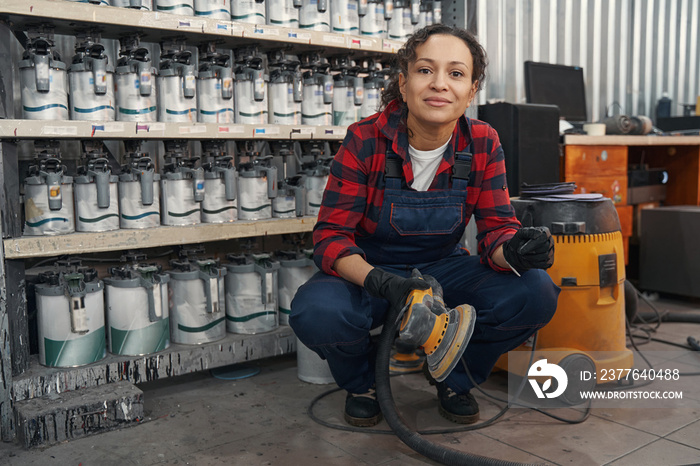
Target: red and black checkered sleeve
{"x":494,"y":214}
{"x":344,"y":203}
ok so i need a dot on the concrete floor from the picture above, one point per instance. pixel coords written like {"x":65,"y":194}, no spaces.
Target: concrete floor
{"x":202,"y":420}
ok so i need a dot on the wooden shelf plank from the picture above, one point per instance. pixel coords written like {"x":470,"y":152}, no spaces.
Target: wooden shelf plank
{"x":83,"y":243}
{"x":175,"y":360}
{"x":78,"y":129}
{"x":616,"y":140}
{"x":113,"y":22}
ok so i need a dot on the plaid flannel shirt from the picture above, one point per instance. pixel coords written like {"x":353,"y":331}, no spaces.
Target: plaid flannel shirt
{"x":354,"y":193}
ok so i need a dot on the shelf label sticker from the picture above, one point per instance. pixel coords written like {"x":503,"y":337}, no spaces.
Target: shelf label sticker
{"x":194,"y":129}
{"x":336,"y":39}
{"x":300,"y":36}
{"x":113,"y":127}
{"x":59,"y":130}
{"x":231,"y":129}
{"x":191,"y":24}
{"x":270,"y":130}
{"x":222,"y":27}
{"x":148,"y":127}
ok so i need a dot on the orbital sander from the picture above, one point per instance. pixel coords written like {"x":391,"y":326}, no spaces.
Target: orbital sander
{"x":442,"y":333}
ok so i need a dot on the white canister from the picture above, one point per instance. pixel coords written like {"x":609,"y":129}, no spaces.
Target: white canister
{"x":135,"y":91}
{"x":90,"y":213}
{"x":44,"y":88}
{"x":315,"y":15}
{"x":250,"y":86}
{"x":220,"y":186}
{"x":284,"y":107}
{"x":178,"y":203}
{"x":317,"y":104}
{"x":138,"y":310}
{"x":174,"y":103}
{"x":251,"y":294}
{"x":176,"y":7}
{"x":248,"y":11}
{"x":257,"y":186}
{"x":282,"y":13}
{"x":315,"y":185}
{"x":345,"y":17}
{"x":372,"y":97}
{"x":70,"y":318}
{"x":146,"y":5}
{"x":214,"y":9}
{"x":400,"y":25}
{"x":291,"y":198}
{"x":139,"y":195}
{"x":296,"y":268}
{"x":348,"y":95}
{"x":215,"y":90}
{"x":48,"y":200}
{"x":197,"y":302}
{"x":373,"y":23}
{"x":87,"y":102}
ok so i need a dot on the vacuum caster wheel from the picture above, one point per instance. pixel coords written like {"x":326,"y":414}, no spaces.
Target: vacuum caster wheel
{"x":574,"y":365}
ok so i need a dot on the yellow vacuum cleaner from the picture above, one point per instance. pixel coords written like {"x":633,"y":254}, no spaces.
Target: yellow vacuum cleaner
{"x":588,"y":328}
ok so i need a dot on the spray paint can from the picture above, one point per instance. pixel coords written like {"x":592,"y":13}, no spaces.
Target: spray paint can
{"x":95,"y":192}
{"x":283,"y":13}
{"x":248,"y":11}
{"x":48,"y":194}
{"x":348,"y":91}
{"x":316,"y":173}
{"x":42,"y":76}
{"x":138,"y":312}
{"x":291,"y":198}
{"x":139,"y":190}
{"x":135,"y":82}
{"x":214,"y":87}
{"x":250,"y":86}
{"x":296,"y":268}
{"x":145,"y":5}
{"x":176,"y":7}
{"x":220,"y":184}
{"x":91,"y":82}
{"x":400,"y":24}
{"x":315,"y":15}
{"x":197,"y":301}
{"x":177,"y":86}
{"x":373,"y":85}
{"x":251,"y":293}
{"x":317,"y":102}
{"x":345,"y":17}
{"x":285,"y":88}
{"x":372,"y":22}
{"x":70,"y":316}
{"x":257,"y":186}
{"x":182,"y":186}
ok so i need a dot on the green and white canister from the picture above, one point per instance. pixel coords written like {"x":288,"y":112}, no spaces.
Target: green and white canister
{"x":70,"y":317}
{"x":251,"y":293}
{"x":296,"y":267}
{"x":137,"y":310}
{"x":197,"y":301}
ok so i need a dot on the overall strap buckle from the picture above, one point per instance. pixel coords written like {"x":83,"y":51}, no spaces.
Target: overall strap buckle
{"x":463,"y":166}
{"x":393,"y":165}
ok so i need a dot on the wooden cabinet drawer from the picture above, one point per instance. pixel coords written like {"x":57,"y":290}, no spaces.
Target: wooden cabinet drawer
{"x":625,"y":213}
{"x":593,"y":161}
{"x":609,"y":186}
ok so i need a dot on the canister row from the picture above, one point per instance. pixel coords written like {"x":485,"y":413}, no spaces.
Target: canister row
{"x":140,"y":309}
{"x":394,"y":19}
{"x":187,"y":192}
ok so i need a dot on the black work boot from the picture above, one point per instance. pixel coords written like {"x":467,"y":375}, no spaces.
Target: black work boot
{"x":362,"y":409}
{"x":462,"y":408}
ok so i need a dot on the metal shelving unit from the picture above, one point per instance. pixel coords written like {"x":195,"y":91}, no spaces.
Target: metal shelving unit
{"x":22,"y":378}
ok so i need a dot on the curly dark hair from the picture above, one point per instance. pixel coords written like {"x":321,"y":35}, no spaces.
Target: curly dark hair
{"x":407,"y":54}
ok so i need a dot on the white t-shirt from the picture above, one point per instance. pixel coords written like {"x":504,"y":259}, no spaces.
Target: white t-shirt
{"x":425,"y":164}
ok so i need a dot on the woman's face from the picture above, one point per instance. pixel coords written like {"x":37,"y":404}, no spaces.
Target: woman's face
{"x":438,"y":88}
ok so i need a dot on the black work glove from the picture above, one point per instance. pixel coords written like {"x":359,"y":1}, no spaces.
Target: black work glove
{"x":393,"y":288}
{"x":530,"y":248}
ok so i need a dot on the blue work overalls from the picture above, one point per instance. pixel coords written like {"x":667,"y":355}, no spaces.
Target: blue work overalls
{"x":421,"y":230}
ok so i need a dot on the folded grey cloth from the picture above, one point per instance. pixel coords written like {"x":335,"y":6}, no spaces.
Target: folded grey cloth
{"x":529,"y":190}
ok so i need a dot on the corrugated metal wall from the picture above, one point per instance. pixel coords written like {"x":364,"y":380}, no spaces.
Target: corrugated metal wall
{"x":631,"y":51}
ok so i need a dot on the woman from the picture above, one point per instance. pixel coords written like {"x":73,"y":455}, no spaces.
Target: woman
{"x":401,"y":190}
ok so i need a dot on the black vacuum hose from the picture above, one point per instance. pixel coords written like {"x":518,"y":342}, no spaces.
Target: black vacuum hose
{"x":686,"y":317}
{"x":441,"y":454}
